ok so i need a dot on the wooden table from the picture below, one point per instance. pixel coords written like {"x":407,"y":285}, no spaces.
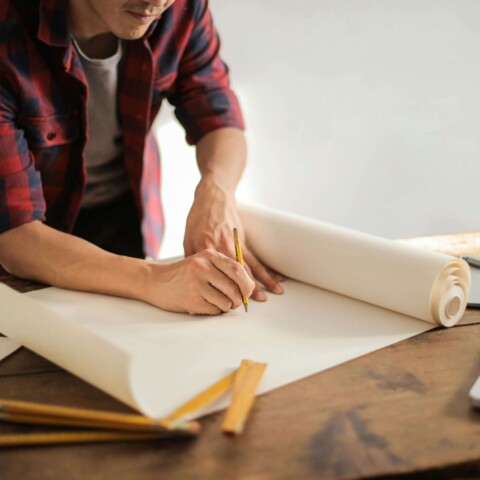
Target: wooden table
{"x":403,"y":410}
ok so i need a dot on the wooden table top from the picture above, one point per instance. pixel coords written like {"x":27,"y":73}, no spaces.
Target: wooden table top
{"x":402,"y":410}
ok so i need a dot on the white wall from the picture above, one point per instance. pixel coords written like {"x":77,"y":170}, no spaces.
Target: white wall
{"x":364,"y":113}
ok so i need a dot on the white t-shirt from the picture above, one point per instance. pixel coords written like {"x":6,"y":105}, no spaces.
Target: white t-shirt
{"x":106,"y":174}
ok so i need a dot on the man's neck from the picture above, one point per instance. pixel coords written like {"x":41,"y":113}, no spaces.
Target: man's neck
{"x":90,"y":32}
{"x":101,"y":46}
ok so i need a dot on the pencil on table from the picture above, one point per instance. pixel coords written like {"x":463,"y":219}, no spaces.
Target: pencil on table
{"x":187,"y":428}
{"x":79,"y":436}
{"x":238,"y":253}
{"x":38,"y":413}
{"x":247,"y":378}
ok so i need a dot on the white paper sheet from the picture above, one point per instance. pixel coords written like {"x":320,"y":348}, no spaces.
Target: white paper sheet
{"x":155,"y":360}
{"x":7,"y":347}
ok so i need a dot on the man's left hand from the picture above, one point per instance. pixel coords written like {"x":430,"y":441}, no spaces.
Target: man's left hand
{"x":210,"y":224}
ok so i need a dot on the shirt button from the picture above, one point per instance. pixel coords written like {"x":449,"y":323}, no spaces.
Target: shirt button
{"x":51,"y":136}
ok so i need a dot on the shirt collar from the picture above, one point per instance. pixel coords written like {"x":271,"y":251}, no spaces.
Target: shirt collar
{"x":151,"y":28}
{"x":53,"y":24}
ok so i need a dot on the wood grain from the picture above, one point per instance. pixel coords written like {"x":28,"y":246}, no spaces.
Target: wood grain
{"x":398,"y":410}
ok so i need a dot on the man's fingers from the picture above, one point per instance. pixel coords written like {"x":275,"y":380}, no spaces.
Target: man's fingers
{"x":234,"y":271}
{"x":204,"y":307}
{"x":258,"y":294}
{"x":226,"y":287}
{"x":217,"y":299}
{"x":227,"y":278}
{"x":276,"y":276}
{"x":260,"y":273}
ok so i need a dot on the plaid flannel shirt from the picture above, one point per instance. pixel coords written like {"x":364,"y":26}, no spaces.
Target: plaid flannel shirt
{"x":43,"y":101}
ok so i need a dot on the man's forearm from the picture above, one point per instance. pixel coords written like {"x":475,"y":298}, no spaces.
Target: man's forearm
{"x":221,"y":157}
{"x":38,"y":252}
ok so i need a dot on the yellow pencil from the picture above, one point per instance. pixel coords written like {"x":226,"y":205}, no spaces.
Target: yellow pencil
{"x":15,"y":410}
{"x":247,"y":378}
{"x":78,"y":436}
{"x":238,"y":253}
{"x":201,"y":400}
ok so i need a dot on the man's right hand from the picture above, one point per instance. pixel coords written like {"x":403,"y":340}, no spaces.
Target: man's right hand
{"x":206,"y":283}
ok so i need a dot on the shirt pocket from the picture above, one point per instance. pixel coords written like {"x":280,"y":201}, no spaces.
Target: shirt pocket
{"x":45,"y":132}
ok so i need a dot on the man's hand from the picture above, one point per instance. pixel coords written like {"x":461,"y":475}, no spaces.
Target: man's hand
{"x":210,"y":225}
{"x":207,"y":283}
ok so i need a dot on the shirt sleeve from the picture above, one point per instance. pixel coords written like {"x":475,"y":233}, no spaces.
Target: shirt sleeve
{"x":201,"y":94}
{"x":21,"y":195}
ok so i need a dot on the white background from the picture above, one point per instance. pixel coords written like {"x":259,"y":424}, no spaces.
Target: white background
{"x":364,"y":113}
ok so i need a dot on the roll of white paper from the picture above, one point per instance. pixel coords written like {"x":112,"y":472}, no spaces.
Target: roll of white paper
{"x":420,"y":283}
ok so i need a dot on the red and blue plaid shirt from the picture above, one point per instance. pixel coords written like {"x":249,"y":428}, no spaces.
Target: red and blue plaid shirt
{"x":43,"y":102}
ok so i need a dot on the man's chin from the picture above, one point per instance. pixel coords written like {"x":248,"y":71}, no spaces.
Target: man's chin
{"x":131,"y":34}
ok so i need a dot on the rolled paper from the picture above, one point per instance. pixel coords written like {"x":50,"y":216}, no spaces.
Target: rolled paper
{"x":417,"y":282}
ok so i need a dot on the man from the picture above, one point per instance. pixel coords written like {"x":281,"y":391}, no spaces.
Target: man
{"x":81,"y":82}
